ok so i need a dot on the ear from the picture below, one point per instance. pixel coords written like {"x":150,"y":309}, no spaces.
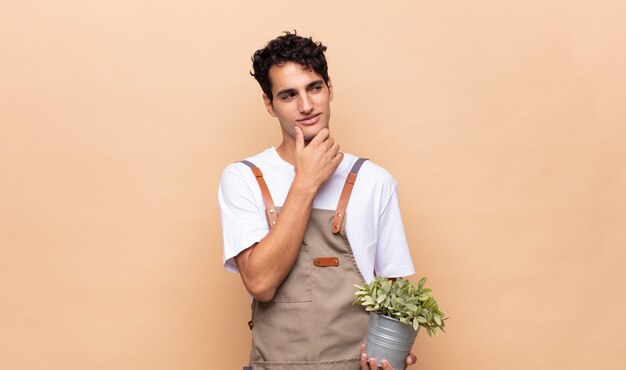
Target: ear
{"x":330,"y":89}
{"x":268,"y":105}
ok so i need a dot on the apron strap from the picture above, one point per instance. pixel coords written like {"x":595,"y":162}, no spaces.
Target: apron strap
{"x":270,"y":210}
{"x":345,"y":195}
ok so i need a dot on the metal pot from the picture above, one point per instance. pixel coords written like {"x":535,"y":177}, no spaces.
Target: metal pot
{"x":389,"y":339}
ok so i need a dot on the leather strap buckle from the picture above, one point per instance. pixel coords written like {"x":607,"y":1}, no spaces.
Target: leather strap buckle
{"x":326,"y":261}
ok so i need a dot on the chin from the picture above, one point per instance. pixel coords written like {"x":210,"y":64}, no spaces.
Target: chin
{"x":311,"y":132}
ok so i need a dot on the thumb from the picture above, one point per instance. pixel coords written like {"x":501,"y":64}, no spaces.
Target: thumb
{"x":299,"y":139}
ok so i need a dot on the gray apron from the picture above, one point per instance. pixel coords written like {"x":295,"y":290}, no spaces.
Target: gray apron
{"x":311,"y":323}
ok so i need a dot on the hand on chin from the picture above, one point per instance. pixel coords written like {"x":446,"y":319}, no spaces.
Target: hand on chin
{"x":310,"y":132}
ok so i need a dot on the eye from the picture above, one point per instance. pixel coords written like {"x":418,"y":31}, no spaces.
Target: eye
{"x":316,"y":88}
{"x":287,"y":96}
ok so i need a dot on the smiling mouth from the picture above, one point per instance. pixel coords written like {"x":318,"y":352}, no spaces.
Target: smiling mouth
{"x":310,"y":120}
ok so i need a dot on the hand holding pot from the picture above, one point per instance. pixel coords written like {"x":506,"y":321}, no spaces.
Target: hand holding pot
{"x":411,"y":359}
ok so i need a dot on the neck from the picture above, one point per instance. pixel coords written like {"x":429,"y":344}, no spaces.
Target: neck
{"x":286,"y":151}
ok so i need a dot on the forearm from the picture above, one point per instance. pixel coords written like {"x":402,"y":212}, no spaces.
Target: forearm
{"x":264,"y":266}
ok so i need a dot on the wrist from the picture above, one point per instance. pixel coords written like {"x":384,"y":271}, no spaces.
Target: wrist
{"x":305,"y":187}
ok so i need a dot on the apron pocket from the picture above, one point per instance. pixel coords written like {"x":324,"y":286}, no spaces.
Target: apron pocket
{"x":297,"y":285}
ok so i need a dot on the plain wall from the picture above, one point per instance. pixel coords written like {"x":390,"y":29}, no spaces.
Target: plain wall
{"x":502,"y":121}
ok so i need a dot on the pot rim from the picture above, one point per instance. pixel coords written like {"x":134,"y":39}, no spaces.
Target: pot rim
{"x":394,"y":319}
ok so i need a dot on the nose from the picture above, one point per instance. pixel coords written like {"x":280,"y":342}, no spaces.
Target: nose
{"x":305,"y":105}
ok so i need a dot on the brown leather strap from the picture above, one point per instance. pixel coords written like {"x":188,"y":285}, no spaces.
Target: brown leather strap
{"x":270,"y":210}
{"x":325,"y":261}
{"x":340,"y":213}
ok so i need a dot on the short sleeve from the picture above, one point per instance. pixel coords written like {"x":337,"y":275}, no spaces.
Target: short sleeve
{"x":393,"y":258}
{"x":241,"y":211}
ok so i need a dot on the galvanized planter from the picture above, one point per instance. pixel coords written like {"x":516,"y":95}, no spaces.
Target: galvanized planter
{"x":389,"y":339}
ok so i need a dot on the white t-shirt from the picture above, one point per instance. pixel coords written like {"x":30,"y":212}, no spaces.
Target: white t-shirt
{"x":373,"y":222}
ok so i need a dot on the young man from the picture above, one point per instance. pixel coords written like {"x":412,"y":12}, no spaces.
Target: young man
{"x":303,"y":222}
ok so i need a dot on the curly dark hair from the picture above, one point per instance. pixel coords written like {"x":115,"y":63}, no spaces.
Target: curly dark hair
{"x":289,"y":47}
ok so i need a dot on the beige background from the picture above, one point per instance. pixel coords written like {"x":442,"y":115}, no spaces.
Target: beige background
{"x":503,"y":122}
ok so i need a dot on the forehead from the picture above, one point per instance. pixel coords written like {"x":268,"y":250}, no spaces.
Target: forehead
{"x":291,"y":75}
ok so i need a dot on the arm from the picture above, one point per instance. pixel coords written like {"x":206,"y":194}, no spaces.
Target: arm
{"x":265,"y":265}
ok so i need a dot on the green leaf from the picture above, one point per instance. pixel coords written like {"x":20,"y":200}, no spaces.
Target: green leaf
{"x":421,"y":283}
{"x":437,"y":319}
{"x":381,"y":297}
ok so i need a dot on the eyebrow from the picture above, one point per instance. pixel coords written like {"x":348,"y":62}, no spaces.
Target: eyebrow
{"x":293,"y":91}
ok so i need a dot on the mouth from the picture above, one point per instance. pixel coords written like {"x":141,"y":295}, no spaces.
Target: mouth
{"x":312,"y":119}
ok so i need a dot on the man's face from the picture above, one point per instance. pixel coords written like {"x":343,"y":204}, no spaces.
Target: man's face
{"x":301,"y":98}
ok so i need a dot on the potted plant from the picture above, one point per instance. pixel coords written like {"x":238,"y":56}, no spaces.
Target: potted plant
{"x":397,"y":310}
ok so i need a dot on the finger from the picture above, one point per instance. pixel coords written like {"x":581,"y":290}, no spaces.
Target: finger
{"x":386,"y":365}
{"x":336,"y":160}
{"x":334,"y":150}
{"x":321,"y":136}
{"x":329,"y":142}
{"x":299,"y":139}
{"x":411,"y":359}
{"x":373,"y":363}
{"x":364,"y":364}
